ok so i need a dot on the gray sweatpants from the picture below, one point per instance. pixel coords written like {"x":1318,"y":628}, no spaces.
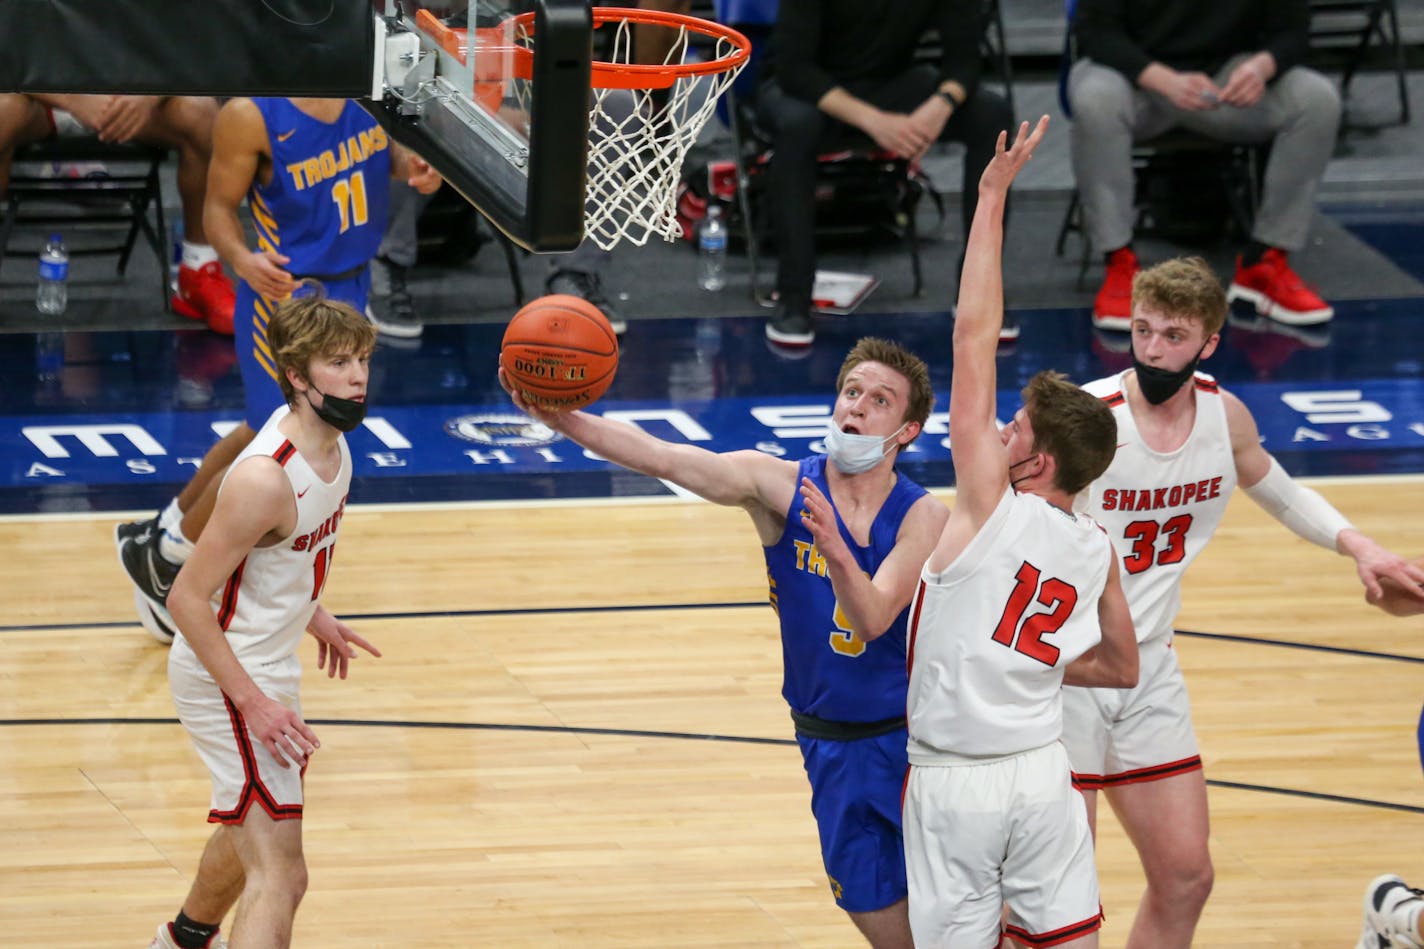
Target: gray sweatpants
{"x":1299,"y":112}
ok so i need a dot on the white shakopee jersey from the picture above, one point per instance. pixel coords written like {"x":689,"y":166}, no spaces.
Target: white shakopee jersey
{"x":265,"y":606}
{"x":991,"y":635}
{"x":1160,"y":508}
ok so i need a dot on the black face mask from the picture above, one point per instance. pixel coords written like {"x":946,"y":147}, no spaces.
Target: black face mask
{"x":341,"y":414}
{"x":1014,"y":482}
{"x":1159,"y":385}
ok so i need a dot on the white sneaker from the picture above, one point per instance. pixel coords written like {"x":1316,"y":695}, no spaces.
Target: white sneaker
{"x":1388,"y":901}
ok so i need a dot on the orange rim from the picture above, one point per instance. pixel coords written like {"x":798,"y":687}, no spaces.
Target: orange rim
{"x":607,"y":75}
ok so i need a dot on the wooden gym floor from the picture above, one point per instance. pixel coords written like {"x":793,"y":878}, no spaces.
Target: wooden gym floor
{"x":576,"y":739}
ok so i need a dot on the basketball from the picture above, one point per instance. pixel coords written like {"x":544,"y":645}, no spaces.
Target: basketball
{"x":559,"y":352}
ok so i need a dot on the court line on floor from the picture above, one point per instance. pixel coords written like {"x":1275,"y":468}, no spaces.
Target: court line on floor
{"x":748,"y":604}
{"x":677,"y":736}
{"x":356,"y":506}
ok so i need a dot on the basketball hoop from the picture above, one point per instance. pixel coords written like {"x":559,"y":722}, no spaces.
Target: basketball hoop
{"x":635,"y":160}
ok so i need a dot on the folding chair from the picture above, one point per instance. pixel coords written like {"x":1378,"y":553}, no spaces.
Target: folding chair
{"x":1348,"y":33}
{"x":122,"y":201}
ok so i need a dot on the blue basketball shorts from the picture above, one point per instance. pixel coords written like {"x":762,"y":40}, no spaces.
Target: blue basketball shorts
{"x":855,"y":798}
{"x":1421,"y":738}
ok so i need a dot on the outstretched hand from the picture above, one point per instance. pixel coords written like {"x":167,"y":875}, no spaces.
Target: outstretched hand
{"x":1390,"y":581}
{"x":819,"y":516}
{"x":1005,"y":165}
{"x":335,"y":643}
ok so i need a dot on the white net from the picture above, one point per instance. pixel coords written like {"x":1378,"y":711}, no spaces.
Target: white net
{"x":638,"y":140}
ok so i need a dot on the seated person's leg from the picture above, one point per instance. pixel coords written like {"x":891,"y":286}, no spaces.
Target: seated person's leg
{"x":1103,"y":128}
{"x":580,"y":272}
{"x":977,"y":124}
{"x":798,"y":130}
{"x":185,"y":124}
{"x":392,"y":308}
{"x":651,"y":44}
{"x":1302,"y":110}
{"x":22,"y":120}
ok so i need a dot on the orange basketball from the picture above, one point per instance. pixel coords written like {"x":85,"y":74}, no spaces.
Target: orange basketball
{"x":560,"y":352}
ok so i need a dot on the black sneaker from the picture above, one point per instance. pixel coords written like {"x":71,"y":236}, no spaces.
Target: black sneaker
{"x":391,"y":308}
{"x":124,"y":532}
{"x":789,"y":327}
{"x":149,"y":570}
{"x":590,"y":287}
{"x":155,"y":619}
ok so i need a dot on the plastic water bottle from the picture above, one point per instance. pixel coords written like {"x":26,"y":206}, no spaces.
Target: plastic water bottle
{"x":712,"y":250}
{"x":175,"y":237}
{"x":52,"y":294}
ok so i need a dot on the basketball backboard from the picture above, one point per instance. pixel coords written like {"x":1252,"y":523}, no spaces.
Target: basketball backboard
{"x":505,"y":119}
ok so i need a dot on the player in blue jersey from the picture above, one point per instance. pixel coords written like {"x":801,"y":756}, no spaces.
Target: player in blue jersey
{"x":844,"y":536}
{"x":315,"y":173}
{"x":1392,"y":909}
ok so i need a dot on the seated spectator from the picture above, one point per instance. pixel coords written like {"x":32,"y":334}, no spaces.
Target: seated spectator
{"x":1228,"y":70}
{"x":182,"y":123}
{"x":391,"y":306}
{"x":842,"y":68}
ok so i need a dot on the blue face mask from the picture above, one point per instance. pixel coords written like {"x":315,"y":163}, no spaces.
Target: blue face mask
{"x":853,"y":454}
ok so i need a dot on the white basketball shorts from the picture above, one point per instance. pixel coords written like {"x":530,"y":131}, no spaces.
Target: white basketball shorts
{"x":243,"y":772}
{"x":1015,"y":831}
{"x":1127,"y":736}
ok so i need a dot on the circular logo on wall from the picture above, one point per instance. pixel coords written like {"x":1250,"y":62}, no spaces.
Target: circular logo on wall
{"x":505,"y":431}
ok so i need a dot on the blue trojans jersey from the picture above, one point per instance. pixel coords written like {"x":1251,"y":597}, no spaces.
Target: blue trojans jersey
{"x":326,"y":205}
{"x":829,"y":672}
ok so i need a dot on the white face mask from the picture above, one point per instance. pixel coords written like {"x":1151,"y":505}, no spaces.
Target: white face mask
{"x":853,"y":454}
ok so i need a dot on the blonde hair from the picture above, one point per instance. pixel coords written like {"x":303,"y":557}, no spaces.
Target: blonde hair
{"x":901,"y":360}
{"x":1183,"y":288}
{"x":310,"y":325}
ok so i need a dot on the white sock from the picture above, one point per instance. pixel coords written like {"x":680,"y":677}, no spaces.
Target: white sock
{"x":196,"y":255}
{"x":170,"y":517}
{"x":173,"y":546}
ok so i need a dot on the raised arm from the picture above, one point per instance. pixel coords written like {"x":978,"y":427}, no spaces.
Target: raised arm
{"x":980,"y":470}
{"x":1309,"y":515}
{"x":256,"y":500}
{"x":1112,"y":664}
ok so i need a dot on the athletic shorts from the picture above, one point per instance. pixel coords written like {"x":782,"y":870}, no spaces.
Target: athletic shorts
{"x":1127,"y":736}
{"x":1421,"y":737}
{"x":249,"y":333}
{"x":243,"y":772}
{"x":855,"y":797}
{"x":1010,"y":831}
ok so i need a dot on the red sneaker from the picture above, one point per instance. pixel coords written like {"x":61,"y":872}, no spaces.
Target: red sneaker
{"x":1278,"y":292}
{"x":1112,"y":307}
{"x":206,"y":294}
